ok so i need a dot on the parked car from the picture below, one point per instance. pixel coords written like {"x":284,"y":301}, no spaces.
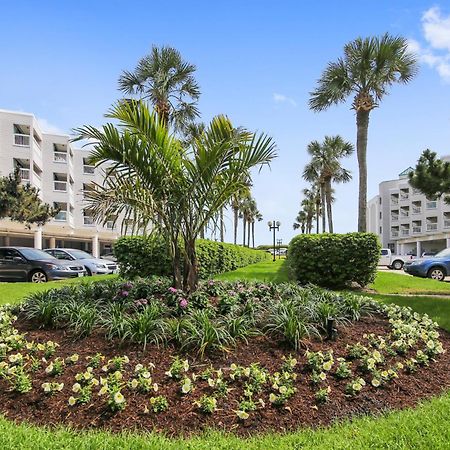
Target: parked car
{"x":30,"y":264}
{"x":391,"y":261}
{"x":94,"y":266}
{"x":109,"y":257}
{"x":428,"y":254}
{"x":436,"y":267}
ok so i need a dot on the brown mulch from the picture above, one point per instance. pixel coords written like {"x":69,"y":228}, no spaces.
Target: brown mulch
{"x":183,"y":417}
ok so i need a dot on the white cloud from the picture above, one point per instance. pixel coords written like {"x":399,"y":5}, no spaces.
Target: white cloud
{"x":436,"y":52}
{"x":280,"y":98}
{"x":48,"y":127}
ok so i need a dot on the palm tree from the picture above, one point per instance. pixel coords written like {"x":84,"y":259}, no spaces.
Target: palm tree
{"x":236,"y":203}
{"x":313,"y":197}
{"x":301,"y":221}
{"x":167,"y":82}
{"x":366,"y":71}
{"x":256,"y":217}
{"x":153,"y":173}
{"x":309,"y":206}
{"x":325,"y":167}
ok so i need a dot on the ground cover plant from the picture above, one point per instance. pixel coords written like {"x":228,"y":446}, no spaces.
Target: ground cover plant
{"x":283,"y":374}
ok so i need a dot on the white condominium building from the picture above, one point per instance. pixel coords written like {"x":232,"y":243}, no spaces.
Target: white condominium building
{"x":406,"y":221}
{"x":61,"y":173}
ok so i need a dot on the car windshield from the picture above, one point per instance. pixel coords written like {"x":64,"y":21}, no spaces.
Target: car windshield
{"x":79,"y":254}
{"x":33,"y":254}
{"x":442,"y":253}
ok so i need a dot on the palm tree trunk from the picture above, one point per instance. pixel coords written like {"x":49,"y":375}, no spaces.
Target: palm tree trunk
{"x":244,"y":227}
{"x":362,"y":125}
{"x":317,"y":216}
{"x":236,"y":220}
{"x":222,"y":226}
{"x":322,"y":200}
{"x":190,"y":281}
{"x":329,"y":206}
{"x":253,"y":234}
{"x":249,"y":225}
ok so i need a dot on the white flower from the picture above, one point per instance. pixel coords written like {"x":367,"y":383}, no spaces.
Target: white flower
{"x":118,"y":398}
{"x":76,"y":387}
{"x":72,"y":401}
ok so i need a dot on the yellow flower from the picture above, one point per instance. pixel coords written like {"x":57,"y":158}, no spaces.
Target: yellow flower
{"x":72,"y":401}
{"x":119,"y":398}
{"x":76,"y":387}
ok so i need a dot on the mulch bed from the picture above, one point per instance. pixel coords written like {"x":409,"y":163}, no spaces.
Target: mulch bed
{"x":183,"y":418}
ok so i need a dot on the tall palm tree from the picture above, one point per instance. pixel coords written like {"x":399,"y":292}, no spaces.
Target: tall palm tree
{"x":257,"y":216}
{"x":366,"y":71}
{"x":309,"y":206}
{"x":313,"y":197}
{"x":325,"y":166}
{"x":167,"y":82}
{"x":236,"y":202}
{"x":301,"y":221}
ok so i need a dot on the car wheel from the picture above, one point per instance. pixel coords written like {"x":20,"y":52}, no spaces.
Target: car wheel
{"x":88,"y":271}
{"x":38,"y":277}
{"x":397,"y":265}
{"x":436,"y":273}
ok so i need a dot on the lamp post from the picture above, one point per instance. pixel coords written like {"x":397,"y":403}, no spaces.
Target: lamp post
{"x":275,"y":226}
{"x":279,"y":242}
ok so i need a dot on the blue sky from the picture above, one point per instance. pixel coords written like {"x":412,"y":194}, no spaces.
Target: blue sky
{"x":257,"y":61}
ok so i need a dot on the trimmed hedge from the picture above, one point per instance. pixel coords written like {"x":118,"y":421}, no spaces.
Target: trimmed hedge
{"x":334,"y":260}
{"x":148,"y":255}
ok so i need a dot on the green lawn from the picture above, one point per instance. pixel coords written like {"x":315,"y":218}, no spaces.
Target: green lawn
{"x":424,"y":427}
{"x":15,"y":292}
{"x":268,"y":271}
{"x":396,"y":283}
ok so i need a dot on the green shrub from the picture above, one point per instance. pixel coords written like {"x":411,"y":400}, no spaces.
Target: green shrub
{"x":334,"y":260}
{"x":148,"y":255}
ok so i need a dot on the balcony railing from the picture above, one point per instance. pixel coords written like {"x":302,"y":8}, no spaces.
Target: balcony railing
{"x":416,"y":192}
{"x":394,"y":234}
{"x":88,"y":220}
{"x":89,"y":170}
{"x":416,"y":209}
{"x":22,"y":139}
{"x":61,"y":216}
{"x":416,"y":230}
{"x":405,"y":232}
{"x":394,"y":200}
{"x":24,"y":174}
{"x":394,"y":218}
{"x":432,"y":226}
{"x":404,"y":214}
{"x":446,"y":223}
{"x":432,"y":205}
{"x":404,"y":196}
{"x":60,"y":186}
{"x":36,"y":143}
{"x":60,"y":157}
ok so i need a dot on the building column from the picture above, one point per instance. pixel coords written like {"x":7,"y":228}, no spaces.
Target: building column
{"x":95,"y":246}
{"x":418,"y":249}
{"x":402,"y":249}
{"x":7,"y":241}
{"x":52,"y":242}
{"x":448,"y":242}
{"x":38,"y":238}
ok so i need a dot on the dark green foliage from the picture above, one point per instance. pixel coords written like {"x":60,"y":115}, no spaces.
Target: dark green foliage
{"x":334,"y":260}
{"x":431,"y":176}
{"x":148,"y":255}
{"x":21,"y":203}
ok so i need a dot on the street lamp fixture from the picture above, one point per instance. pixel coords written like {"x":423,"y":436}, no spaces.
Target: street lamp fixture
{"x":274,"y":226}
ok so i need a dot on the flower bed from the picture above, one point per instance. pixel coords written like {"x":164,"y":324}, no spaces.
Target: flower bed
{"x":282,"y":375}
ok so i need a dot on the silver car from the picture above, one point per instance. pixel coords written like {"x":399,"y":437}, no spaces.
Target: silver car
{"x":94,"y":266}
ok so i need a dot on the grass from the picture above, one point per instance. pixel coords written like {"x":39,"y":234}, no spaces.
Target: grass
{"x":15,"y":292}
{"x":268,"y":271}
{"x":424,"y":427}
{"x":436,"y":307}
{"x":395,"y":283}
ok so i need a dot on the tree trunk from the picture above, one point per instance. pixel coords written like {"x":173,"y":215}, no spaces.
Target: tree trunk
{"x":362,"y":125}
{"x":236,"y":220}
{"x":222,"y":226}
{"x":322,"y":201}
{"x":244,"y":226}
{"x":303,"y":228}
{"x":190,"y":281}
{"x":329,"y":206}
{"x":249,"y":225}
{"x":317,"y":216}
{"x":253,"y":234}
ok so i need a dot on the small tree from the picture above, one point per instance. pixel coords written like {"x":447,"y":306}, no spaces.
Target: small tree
{"x":431,"y":176}
{"x":21,"y":202}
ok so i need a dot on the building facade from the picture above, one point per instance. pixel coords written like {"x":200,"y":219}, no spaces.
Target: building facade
{"x":406,"y":221}
{"x":61,"y":173}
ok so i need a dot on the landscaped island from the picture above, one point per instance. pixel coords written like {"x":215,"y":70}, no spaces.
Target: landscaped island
{"x":246,"y":357}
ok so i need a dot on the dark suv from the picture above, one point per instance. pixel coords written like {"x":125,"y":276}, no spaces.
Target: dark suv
{"x":30,"y":264}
